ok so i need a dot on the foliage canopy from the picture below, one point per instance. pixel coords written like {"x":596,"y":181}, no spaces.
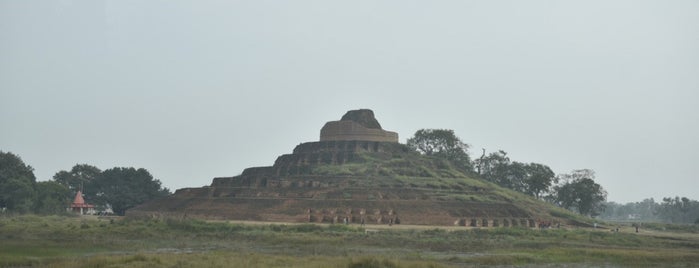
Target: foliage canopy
{"x":17,"y":184}
{"x":78,"y":177}
{"x":532,"y":178}
{"x":441,"y":143}
{"x":580,"y":191}
{"x":124,"y":188}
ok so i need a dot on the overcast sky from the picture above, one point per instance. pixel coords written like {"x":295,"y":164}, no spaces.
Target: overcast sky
{"x":192,"y":90}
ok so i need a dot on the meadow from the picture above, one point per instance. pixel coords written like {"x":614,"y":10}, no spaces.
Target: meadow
{"x":63,"y":241}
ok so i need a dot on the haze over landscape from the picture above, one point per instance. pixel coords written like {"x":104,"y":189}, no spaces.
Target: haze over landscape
{"x":196,"y":90}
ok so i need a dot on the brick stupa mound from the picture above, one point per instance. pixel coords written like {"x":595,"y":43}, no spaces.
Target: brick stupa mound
{"x":359,"y":125}
{"x":357,"y":172}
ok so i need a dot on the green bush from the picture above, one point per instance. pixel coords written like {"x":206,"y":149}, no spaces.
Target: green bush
{"x":341,"y":228}
{"x":307,"y":228}
{"x":435,"y":231}
{"x":371,"y":263}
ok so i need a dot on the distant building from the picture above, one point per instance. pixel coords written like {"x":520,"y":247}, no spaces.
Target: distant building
{"x":79,"y":205}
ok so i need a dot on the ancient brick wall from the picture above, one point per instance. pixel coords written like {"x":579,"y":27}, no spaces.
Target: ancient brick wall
{"x":350,"y":130}
{"x":292,"y":191}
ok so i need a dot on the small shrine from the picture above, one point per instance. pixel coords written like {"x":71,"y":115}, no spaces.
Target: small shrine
{"x":79,"y":205}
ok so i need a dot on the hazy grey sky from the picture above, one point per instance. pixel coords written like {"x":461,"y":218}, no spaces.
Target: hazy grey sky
{"x":191,"y":90}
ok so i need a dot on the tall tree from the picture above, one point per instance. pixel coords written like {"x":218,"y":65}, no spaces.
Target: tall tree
{"x":494,"y":167}
{"x":441,"y":143}
{"x":579,"y":191}
{"x":52,"y":197}
{"x":17,"y":184}
{"x":497,"y":168}
{"x":531,"y":178}
{"x":516,"y":176}
{"x":79,"y":177}
{"x":124,"y":188}
{"x":539,"y":179}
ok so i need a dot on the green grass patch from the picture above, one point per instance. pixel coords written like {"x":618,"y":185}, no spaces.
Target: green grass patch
{"x":62,"y":242}
{"x":681,"y":228}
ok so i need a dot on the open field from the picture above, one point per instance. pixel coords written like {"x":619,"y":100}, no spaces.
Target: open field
{"x":53,"y":241}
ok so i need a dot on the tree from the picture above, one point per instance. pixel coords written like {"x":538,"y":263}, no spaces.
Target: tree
{"x":539,"y":179}
{"x":441,"y":143}
{"x":17,"y":183}
{"x":532,"y":178}
{"x":78,"y":178}
{"x":52,"y":197}
{"x":124,"y":188}
{"x":494,"y":168}
{"x":515,"y":176}
{"x":678,"y":210}
{"x":646,"y":210}
{"x":579,"y":191}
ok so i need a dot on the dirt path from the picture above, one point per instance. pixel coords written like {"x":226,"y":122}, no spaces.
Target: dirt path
{"x":380,"y":227}
{"x":656,"y":233}
{"x":366,"y":226}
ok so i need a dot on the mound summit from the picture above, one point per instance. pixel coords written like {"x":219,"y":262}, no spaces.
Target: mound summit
{"x":357,"y":172}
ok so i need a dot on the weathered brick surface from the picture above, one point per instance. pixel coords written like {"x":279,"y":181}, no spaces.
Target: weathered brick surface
{"x":290,"y":191}
{"x":350,"y":130}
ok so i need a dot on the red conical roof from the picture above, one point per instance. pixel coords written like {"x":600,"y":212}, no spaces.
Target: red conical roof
{"x":79,"y":198}
{"x":80,"y":202}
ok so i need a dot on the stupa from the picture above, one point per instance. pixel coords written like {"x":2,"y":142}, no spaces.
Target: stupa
{"x":357,"y":172}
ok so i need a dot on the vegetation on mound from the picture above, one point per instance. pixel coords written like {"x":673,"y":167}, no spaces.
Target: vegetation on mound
{"x":397,"y":160}
{"x":404,"y":169}
{"x":90,"y":242}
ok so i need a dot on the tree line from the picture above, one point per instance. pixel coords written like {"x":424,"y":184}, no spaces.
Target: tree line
{"x":575,"y":191}
{"x":120,"y":188}
{"x":669,"y":210}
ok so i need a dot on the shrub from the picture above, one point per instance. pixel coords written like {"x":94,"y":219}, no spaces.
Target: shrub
{"x":371,"y":263}
{"x":306,"y":228}
{"x":340,"y":228}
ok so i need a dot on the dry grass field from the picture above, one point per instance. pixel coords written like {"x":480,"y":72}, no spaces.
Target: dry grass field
{"x":55,"y":241}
